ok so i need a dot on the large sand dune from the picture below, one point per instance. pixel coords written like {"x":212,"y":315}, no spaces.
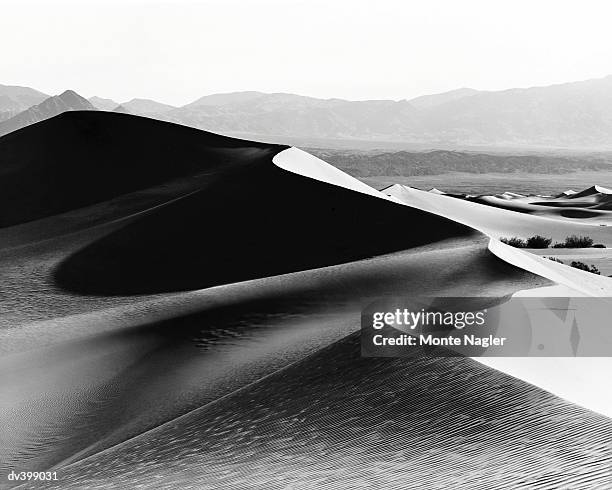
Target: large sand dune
{"x":115,"y":326}
{"x":248,"y":223}
{"x":80,"y":158}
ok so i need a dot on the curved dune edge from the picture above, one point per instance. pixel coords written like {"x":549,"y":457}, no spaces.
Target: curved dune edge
{"x":494,"y":221}
{"x":302,"y":163}
{"x":490,"y":221}
{"x":579,"y":282}
{"x":570,"y":282}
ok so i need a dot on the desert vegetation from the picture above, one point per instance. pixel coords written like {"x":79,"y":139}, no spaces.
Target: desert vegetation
{"x":555,"y":259}
{"x":575,"y":241}
{"x":538,"y":241}
{"x":582,"y":266}
{"x":514,"y":241}
{"x":576,"y":264}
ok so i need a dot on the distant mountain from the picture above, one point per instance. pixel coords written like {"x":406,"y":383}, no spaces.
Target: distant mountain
{"x":143,"y":107}
{"x":569,"y":115}
{"x":282,"y":114}
{"x":226,"y":99}
{"x":67,"y":101}
{"x":428,"y":101}
{"x":121,"y":109}
{"x":146,"y":107}
{"x":14,"y":99}
{"x":103,"y":104}
{"x":577,"y":114}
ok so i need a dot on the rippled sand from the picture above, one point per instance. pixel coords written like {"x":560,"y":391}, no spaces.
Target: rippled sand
{"x":336,"y":420}
{"x":116,"y":373}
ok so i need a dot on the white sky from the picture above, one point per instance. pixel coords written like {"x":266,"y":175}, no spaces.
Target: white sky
{"x":177,"y":51}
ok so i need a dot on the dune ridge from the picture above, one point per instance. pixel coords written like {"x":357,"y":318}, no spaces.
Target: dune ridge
{"x":81,"y":158}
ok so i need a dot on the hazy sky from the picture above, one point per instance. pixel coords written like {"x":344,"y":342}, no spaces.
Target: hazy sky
{"x":177,"y":51}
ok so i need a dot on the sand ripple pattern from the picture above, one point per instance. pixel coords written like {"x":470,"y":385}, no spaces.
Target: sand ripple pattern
{"x":336,"y":420}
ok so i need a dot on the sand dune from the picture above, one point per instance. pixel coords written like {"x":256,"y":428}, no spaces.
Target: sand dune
{"x":336,"y":420}
{"x":596,"y":190}
{"x":234,"y":230}
{"x":81,"y":158}
{"x":593,"y":198}
{"x":498,"y":222}
{"x":592,"y":205}
{"x":221,"y":297}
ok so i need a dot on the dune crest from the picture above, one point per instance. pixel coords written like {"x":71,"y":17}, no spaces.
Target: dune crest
{"x":302,"y":163}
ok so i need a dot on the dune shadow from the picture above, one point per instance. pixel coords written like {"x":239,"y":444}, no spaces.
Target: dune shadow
{"x":257,"y":221}
{"x":81,"y":158}
{"x":580,"y":213}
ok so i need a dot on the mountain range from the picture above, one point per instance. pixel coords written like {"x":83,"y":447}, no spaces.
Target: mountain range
{"x":52,"y":106}
{"x":143,"y":107}
{"x":569,"y":115}
{"x":14,"y":100}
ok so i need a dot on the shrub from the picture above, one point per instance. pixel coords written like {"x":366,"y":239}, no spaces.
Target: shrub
{"x":575,"y":241}
{"x":583,"y":267}
{"x":538,"y":241}
{"x":599,"y":245}
{"x":555,"y":259}
{"x":514,"y":242}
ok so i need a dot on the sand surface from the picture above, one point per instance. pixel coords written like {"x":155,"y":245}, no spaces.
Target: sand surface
{"x":181,"y":335}
{"x":337,"y":420}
